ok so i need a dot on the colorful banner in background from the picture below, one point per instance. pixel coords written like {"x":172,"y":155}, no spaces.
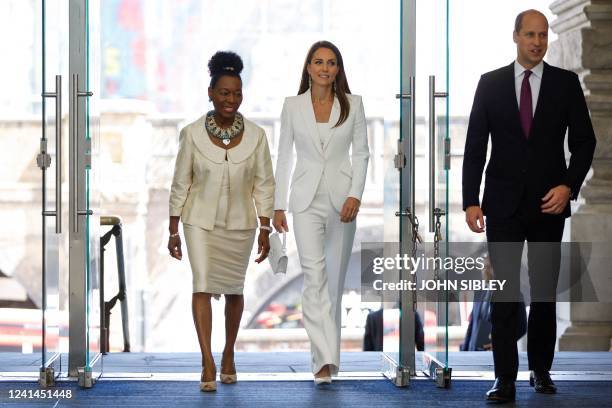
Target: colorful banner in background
{"x":123,"y":49}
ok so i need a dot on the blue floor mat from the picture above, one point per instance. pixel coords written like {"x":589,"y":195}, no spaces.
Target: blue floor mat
{"x":294,"y":394}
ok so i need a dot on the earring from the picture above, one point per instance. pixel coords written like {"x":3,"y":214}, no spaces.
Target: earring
{"x":309,"y":81}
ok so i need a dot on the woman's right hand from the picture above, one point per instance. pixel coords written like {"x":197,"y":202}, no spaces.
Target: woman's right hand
{"x":280,"y":221}
{"x":174,"y":246}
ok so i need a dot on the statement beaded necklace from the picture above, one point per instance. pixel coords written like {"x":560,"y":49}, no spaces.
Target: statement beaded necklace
{"x":224,"y":134}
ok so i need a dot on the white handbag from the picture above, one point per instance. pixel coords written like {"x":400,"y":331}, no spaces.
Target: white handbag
{"x":278,"y":253}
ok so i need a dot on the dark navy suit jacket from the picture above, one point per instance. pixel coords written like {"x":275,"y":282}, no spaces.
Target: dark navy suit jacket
{"x":521,"y":169}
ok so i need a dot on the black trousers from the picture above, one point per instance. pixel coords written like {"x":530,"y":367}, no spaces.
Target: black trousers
{"x":506,"y":238}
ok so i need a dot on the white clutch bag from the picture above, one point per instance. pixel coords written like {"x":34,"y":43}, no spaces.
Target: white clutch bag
{"x":278,"y":253}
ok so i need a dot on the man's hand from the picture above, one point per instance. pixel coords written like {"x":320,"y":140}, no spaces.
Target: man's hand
{"x":474,"y":218}
{"x":350,"y":209}
{"x":556,"y":199}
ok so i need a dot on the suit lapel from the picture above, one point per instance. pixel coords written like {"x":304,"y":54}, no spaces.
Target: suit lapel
{"x":543,"y":98}
{"x":510,"y":82}
{"x":204,"y":144}
{"x":510,"y":96}
{"x":310,"y":122}
{"x":333,"y":119}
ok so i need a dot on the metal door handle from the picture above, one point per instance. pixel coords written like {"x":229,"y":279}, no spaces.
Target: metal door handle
{"x":58,"y":153}
{"x":412,"y":143}
{"x":432,"y":148}
{"x":75,"y":151}
{"x":411,"y":136}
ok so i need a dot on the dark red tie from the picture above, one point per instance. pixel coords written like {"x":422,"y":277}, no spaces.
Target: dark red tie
{"x":526,"y":108}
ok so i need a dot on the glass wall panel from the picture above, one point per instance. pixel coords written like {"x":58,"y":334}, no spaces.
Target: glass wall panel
{"x":33,"y":246}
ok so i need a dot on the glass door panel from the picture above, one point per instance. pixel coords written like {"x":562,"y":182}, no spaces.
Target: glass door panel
{"x":397,"y":355}
{"x":92,"y":192}
{"x":432,"y":190}
{"x":30,"y":259}
{"x":423,"y":182}
{"x":54,"y":262}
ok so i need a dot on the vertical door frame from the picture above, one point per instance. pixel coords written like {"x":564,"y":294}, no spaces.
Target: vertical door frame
{"x":408,"y":71}
{"x":77,"y":306}
{"x":400,"y":371}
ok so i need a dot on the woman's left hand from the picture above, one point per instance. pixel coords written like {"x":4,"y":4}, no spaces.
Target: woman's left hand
{"x":263,"y":245}
{"x":350,"y":209}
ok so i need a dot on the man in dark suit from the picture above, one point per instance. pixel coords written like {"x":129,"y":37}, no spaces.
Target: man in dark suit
{"x":374,"y":332}
{"x":526,"y":108}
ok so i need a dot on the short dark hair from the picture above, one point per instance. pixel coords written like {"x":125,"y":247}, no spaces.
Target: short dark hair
{"x":518,"y":22}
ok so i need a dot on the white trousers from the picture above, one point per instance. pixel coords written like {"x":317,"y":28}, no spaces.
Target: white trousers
{"x":324,"y":246}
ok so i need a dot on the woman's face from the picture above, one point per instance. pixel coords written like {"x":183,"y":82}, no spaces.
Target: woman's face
{"x":226,"y":96}
{"x":323,"y":67}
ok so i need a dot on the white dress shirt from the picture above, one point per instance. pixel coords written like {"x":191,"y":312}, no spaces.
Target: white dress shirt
{"x":534,"y":81}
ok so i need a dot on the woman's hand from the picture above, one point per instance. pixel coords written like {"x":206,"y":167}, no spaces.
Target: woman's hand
{"x":280,"y":221}
{"x":174,"y":246}
{"x":350,"y":209}
{"x":263,"y":245}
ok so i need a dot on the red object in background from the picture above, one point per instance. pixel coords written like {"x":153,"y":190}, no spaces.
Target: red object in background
{"x":21,"y":329}
{"x":129,"y":15}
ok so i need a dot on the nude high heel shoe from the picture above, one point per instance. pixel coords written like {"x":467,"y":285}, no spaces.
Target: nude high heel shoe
{"x":229,"y":378}
{"x":208,"y":386}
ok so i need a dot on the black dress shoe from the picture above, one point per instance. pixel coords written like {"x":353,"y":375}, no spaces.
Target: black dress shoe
{"x":503,"y":390}
{"x":542,"y":382}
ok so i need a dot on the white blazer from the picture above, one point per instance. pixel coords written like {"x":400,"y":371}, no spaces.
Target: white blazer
{"x":198,"y":173}
{"x":344,"y":174}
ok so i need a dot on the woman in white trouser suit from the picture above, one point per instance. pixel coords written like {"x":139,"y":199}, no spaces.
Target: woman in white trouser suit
{"x":324,"y":122}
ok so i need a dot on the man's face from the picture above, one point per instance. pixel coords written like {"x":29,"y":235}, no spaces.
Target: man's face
{"x":532,"y":40}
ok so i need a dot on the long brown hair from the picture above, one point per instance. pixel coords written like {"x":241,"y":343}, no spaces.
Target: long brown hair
{"x":340,"y":84}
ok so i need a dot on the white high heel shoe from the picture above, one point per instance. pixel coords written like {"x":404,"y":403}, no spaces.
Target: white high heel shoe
{"x":323,"y":380}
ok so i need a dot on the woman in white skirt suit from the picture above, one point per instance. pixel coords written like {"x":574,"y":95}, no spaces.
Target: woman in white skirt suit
{"x":324,"y":122}
{"x":222,"y":181}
